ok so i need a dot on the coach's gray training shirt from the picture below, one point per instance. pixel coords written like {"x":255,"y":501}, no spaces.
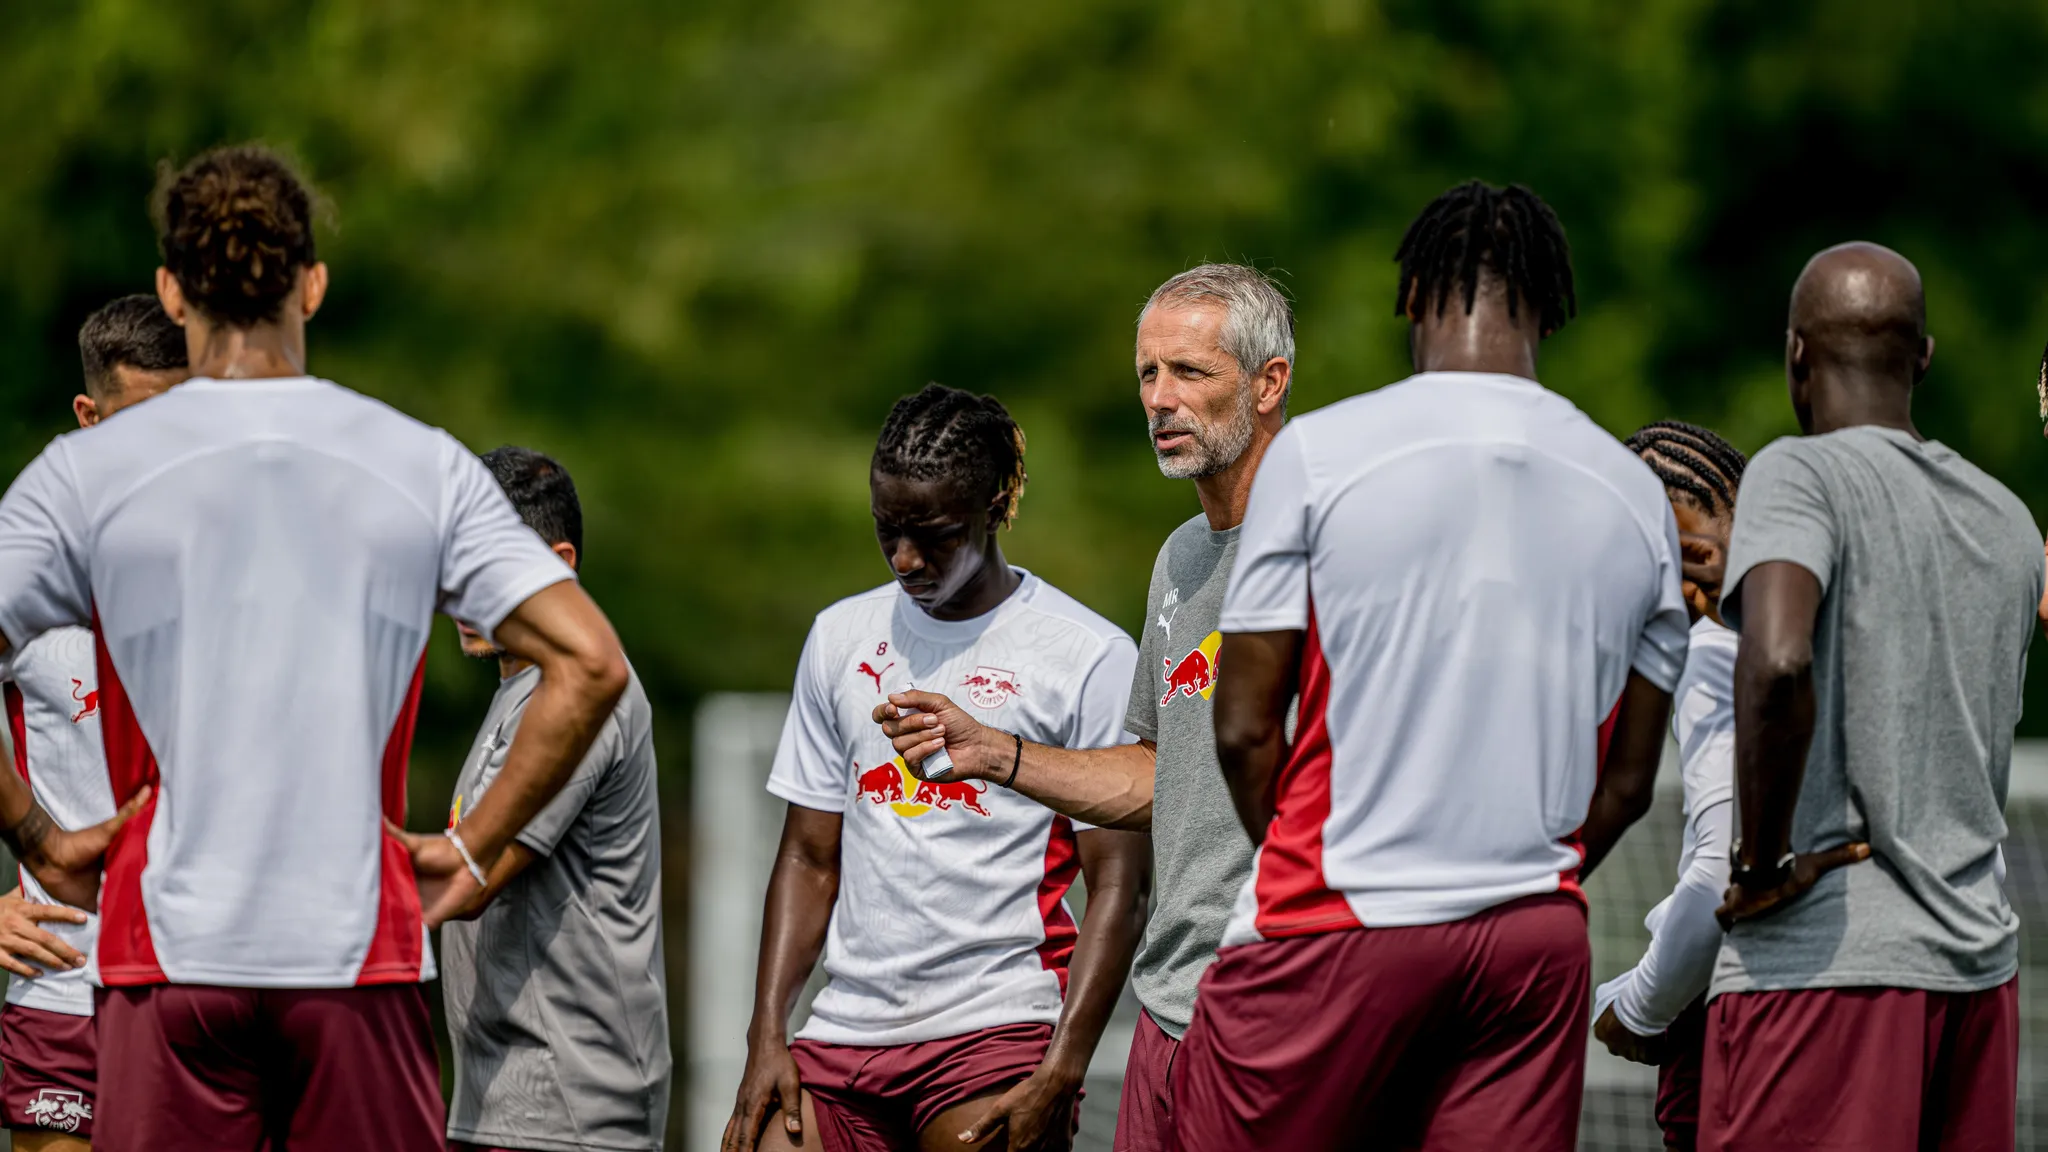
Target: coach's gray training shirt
{"x":1930,"y":574}
{"x":556,"y":998}
{"x":1200,"y":854}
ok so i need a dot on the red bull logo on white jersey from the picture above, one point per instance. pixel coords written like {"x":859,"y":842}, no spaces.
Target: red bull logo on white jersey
{"x":90,"y":700}
{"x":991,"y":687}
{"x":894,"y":784}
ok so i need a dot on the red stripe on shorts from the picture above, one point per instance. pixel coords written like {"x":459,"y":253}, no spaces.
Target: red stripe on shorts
{"x":1294,"y":899}
{"x":395,"y":954}
{"x":1062,"y":862}
{"x":126,"y":954}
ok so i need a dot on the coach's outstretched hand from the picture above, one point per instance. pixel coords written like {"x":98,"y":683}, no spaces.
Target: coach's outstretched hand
{"x":768,"y":1087}
{"x":1030,"y":1112}
{"x":68,"y":864}
{"x":1740,"y":903}
{"x":920,"y":723}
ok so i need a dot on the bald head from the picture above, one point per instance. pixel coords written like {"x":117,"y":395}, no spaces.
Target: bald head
{"x":1859,"y":308}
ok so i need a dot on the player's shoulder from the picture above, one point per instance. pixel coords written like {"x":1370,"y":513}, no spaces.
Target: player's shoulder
{"x":1058,"y":610}
{"x":61,"y":652}
{"x":1190,"y":535}
{"x":632,"y":720}
{"x":854,"y":616}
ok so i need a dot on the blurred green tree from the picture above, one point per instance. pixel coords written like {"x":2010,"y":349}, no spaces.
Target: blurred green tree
{"x":696,"y":250}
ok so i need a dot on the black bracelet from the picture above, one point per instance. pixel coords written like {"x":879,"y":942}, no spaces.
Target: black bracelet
{"x":1018,"y":762}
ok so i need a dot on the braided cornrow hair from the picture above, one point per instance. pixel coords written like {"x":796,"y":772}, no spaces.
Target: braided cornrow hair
{"x":1692,"y":460}
{"x":1508,"y":231}
{"x":2041,"y":386}
{"x":946,"y":433}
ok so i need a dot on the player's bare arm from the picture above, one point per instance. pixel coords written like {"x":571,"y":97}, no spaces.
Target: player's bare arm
{"x":801,"y":891}
{"x":1261,"y":672}
{"x":1107,"y":787}
{"x":1628,"y":780}
{"x":1773,"y":727}
{"x":67,"y":864}
{"x":1116,"y":865}
{"x":583,"y":674}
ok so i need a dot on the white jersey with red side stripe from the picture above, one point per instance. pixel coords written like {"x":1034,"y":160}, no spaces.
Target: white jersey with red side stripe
{"x":53,"y":717}
{"x":952,"y":911}
{"x":262,"y":560}
{"x":1476,"y":566}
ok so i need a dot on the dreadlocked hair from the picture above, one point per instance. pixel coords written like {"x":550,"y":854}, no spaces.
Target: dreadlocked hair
{"x":945,"y":433}
{"x":2041,"y":385}
{"x":1509,"y":232}
{"x":1692,"y":460}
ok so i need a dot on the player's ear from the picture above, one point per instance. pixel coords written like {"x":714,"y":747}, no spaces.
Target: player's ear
{"x":170,"y":296}
{"x":567,"y":552}
{"x":88,"y":412}
{"x":1925,"y":360}
{"x":312,"y":288}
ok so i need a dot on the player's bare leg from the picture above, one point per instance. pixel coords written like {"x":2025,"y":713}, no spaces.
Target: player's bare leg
{"x":50,"y":1142}
{"x":775,"y":1136}
{"x":943,"y":1133}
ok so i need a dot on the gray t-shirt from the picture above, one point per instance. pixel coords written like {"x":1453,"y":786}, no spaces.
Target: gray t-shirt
{"x":556,"y":998}
{"x":1930,"y":572}
{"x":1200,"y":854}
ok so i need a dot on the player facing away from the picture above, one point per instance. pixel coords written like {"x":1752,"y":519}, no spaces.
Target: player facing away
{"x":1886,"y":591}
{"x":262,"y":935}
{"x":1460,"y":574}
{"x":961,"y":1003}
{"x":1656,"y":1013}
{"x":1215,"y":356}
{"x":555,"y":994}
{"x":49,"y":1052}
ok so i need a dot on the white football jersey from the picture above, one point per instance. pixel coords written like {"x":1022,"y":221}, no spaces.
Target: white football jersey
{"x":262,"y":560}
{"x":952,"y":912}
{"x":1476,"y":566}
{"x":53,"y":715}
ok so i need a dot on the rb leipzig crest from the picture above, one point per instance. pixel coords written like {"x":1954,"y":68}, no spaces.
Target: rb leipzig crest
{"x":991,"y":687}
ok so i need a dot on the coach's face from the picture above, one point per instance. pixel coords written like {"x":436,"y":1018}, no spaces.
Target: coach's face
{"x":1199,"y":404}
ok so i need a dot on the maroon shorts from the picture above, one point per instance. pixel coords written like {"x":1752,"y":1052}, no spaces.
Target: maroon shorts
{"x":1868,"y":1069}
{"x":1467,"y":1035}
{"x":1678,"y":1079}
{"x":241,"y":1069}
{"x":879,"y":1099}
{"x":1144,"y":1117}
{"x":49,"y":1069}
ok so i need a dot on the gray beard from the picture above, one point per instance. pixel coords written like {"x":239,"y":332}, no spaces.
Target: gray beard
{"x":1212,"y":448}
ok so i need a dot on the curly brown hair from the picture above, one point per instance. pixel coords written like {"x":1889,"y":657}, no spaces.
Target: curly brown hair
{"x":235,"y":226}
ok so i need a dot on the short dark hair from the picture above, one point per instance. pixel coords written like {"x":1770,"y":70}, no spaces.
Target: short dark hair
{"x":945,"y":433}
{"x":235,"y":226}
{"x":542,"y":493}
{"x":132,"y":330}
{"x":1509,"y":232}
